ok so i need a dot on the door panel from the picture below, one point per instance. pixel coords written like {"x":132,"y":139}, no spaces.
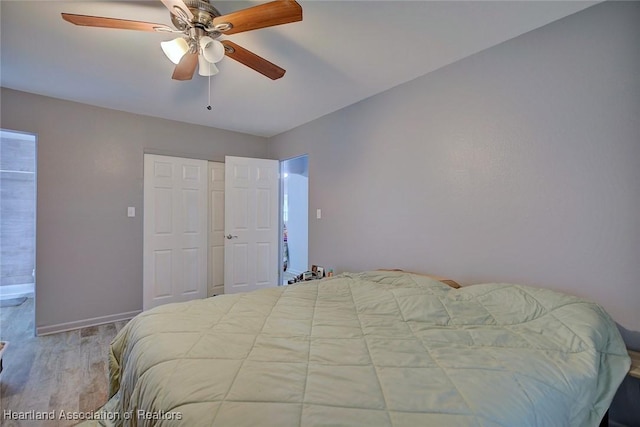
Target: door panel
{"x":240,"y":209}
{"x":191,"y":211}
{"x":175,"y":230}
{"x":263,"y":215}
{"x":162,"y":273}
{"x":251,"y":224}
{"x":263,"y":251}
{"x":240,"y":261}
{"x":190,"y":259}
{"x":163,"y":210}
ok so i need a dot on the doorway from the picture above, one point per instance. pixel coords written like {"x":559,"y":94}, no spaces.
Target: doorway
{"x":295,"y":217}
{"x":17,"y":230}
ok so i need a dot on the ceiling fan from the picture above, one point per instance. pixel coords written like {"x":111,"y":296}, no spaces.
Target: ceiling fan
{"x":200,"y":25}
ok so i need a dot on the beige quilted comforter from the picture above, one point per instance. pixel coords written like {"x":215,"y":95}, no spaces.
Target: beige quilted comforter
{"x":369,"y":349}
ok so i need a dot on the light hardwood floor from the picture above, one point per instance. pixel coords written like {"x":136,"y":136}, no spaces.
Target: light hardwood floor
{"x":65,"y":371}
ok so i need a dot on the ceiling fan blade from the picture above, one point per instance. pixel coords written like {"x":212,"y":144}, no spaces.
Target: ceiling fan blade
{"x":178,"y":8}
{"x":265,"y":15}
{"x":252,"y":60}
{"x":186,"y":67}
{"x":124,"y":24}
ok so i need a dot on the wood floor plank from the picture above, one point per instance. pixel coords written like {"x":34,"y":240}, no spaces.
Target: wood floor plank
{"x":66,"y":371}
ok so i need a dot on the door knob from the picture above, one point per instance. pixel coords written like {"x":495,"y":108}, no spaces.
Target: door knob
{"x":229,"y":236}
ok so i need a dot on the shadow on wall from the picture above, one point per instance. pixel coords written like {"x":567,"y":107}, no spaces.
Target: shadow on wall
{"x":622,"y":412}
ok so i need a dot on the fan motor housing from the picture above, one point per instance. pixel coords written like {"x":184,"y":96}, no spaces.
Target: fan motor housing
{"x":203,"y":14}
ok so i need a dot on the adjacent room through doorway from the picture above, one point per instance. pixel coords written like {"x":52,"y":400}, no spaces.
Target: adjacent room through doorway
{"x":17,"y":232}
{"x":295,"y":216}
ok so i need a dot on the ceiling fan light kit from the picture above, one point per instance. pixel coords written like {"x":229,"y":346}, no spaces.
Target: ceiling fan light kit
{"x":175,"y":49}
{"x":206,"y":68}
{"x":212,"y":50}
{"x":201,"y":25}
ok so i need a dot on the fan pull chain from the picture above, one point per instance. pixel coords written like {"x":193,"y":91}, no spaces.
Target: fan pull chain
{"x":209,"y":106}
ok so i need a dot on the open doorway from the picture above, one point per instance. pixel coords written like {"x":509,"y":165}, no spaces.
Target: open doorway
{"x":295,"y":217}
{"x":17,"y":232}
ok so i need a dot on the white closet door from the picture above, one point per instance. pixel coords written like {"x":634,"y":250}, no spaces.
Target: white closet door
{"x":175,"y":230}
{"x":251,"y":224}
{"x":216,"y":229}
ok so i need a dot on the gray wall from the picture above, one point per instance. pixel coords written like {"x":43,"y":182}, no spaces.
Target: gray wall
{"x":518,"y":164}
{"x":90,"y":168}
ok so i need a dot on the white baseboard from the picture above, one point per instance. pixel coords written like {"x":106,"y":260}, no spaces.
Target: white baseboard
{"x":95,"y":321}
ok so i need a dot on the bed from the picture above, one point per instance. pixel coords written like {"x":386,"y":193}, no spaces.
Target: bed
{"x":379,"y":348}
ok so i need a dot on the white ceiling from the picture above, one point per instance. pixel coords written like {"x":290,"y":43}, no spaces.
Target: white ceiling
{"x":342,"y":52}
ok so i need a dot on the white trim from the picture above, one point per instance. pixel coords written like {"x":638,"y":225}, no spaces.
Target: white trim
{"x":16,"y":291}
{"x":95,"y":321}
{"x":15,"y":171}
{"x":12,"y":134}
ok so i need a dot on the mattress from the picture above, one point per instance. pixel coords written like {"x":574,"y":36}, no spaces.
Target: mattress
{"x":375,"y":348}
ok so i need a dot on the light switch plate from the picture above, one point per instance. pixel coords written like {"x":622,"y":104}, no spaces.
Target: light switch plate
{"x":318,"y":213}
{"x":131,"y":212}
